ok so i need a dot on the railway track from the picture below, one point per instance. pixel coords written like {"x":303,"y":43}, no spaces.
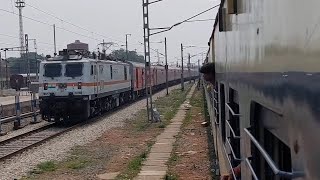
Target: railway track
{"x":23,"y":116}
{"x":18,"y":144}
{"x":23,"y":142}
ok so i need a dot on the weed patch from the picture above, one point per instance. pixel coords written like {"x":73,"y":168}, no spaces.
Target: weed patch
{"x":47,"y":166}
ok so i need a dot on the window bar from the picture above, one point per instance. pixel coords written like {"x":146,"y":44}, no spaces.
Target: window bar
{"x":271,"y":163}
{"x":215,"y":100}
{"x":232,"y":131}
{"x":232,"y":152}
{"x":231,"y":110}
{"x":229,"y":161}
{"x":251,"y":169}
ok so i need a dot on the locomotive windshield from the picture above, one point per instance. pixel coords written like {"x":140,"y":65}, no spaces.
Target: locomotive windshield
{"x":74,"y":70}
{"x":52,"y":70}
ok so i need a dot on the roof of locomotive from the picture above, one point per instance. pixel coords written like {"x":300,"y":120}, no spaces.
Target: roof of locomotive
{"x":82,"y":60}
{"x":136,"y":64}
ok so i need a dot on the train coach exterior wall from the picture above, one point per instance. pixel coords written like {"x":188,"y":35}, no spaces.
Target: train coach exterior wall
{"x":269,"y":56}
{"x":222,"y":168}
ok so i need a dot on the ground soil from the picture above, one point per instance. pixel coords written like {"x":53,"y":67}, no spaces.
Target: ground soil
{"x":190,"y":158}
{"x":113,"y":151}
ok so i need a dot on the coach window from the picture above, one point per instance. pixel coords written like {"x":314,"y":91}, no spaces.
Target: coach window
{"x":111,"y":72}
{"x":125,"y":73}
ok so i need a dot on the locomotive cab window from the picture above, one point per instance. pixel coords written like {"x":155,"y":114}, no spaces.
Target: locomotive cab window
{"x":74,"y":70}
{"x":52,"y":70}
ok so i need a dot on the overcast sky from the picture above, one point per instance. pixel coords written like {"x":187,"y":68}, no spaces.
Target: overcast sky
{"x":112,"y":19}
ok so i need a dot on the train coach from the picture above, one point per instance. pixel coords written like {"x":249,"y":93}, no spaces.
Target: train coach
{"x":76,"y":86}
{"x":264,"y":104}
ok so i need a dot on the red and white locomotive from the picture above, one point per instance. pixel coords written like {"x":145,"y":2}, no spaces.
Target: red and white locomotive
{"x":77,"y":85}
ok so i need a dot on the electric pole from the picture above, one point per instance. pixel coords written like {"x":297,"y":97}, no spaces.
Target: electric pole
{"x":148,"y":85}
{"x":28,"y":61}
{"x":158,"y":56}
{"x":166,"y":66}
{"x":36,"y":53}
{"x":199,"y":67}
{"x":199,"y":73}
{"x":54,"y":40}
{"x":182,"y":78}
{"x":20,"y":4}
{"x":189,"y":58}
{"x":127,"y":53}
{"x":1,"y":72}
{"x":17,"y":49}
{"x":6,"y":61}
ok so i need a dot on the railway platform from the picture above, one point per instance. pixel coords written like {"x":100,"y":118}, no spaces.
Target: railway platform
{"x":8,"y":105}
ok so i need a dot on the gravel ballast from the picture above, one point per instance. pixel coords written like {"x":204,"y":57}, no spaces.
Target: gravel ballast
{"x":57,"y":149}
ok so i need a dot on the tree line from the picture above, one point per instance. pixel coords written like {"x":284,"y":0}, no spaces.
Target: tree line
{"x":18,"y":65}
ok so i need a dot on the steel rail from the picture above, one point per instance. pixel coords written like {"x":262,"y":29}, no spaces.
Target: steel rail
{"x":12,"y":118}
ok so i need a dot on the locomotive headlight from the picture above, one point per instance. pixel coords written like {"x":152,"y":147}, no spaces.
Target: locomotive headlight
{"x":79,"y":85}
{"x":45,"y":86}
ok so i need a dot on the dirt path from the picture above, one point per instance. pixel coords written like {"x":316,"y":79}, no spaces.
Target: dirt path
{"x":190,"y":157}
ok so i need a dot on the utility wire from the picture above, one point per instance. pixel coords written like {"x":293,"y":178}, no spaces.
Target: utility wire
{"x":7,"y":44}
{"x":15,"y":37}
{"x":45,"y":23}
{"x":72,"y":24}
{"x":12,"y":3}
{"x":201,"y":20}
{"x":179,"y":23}
{"x":155,"y":50}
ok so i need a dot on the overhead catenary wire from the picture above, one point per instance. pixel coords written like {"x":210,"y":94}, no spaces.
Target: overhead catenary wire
{"x":8,"y":44}
{"x":87,"y":30}
{"x":15,"y":37}
{"x":46,"y":23}
{"x":64,"y":21}
{"x":181,"y":22}
{"x":201,"y":20}
{"x":70,"y":23}
{"x":12,"y":4}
